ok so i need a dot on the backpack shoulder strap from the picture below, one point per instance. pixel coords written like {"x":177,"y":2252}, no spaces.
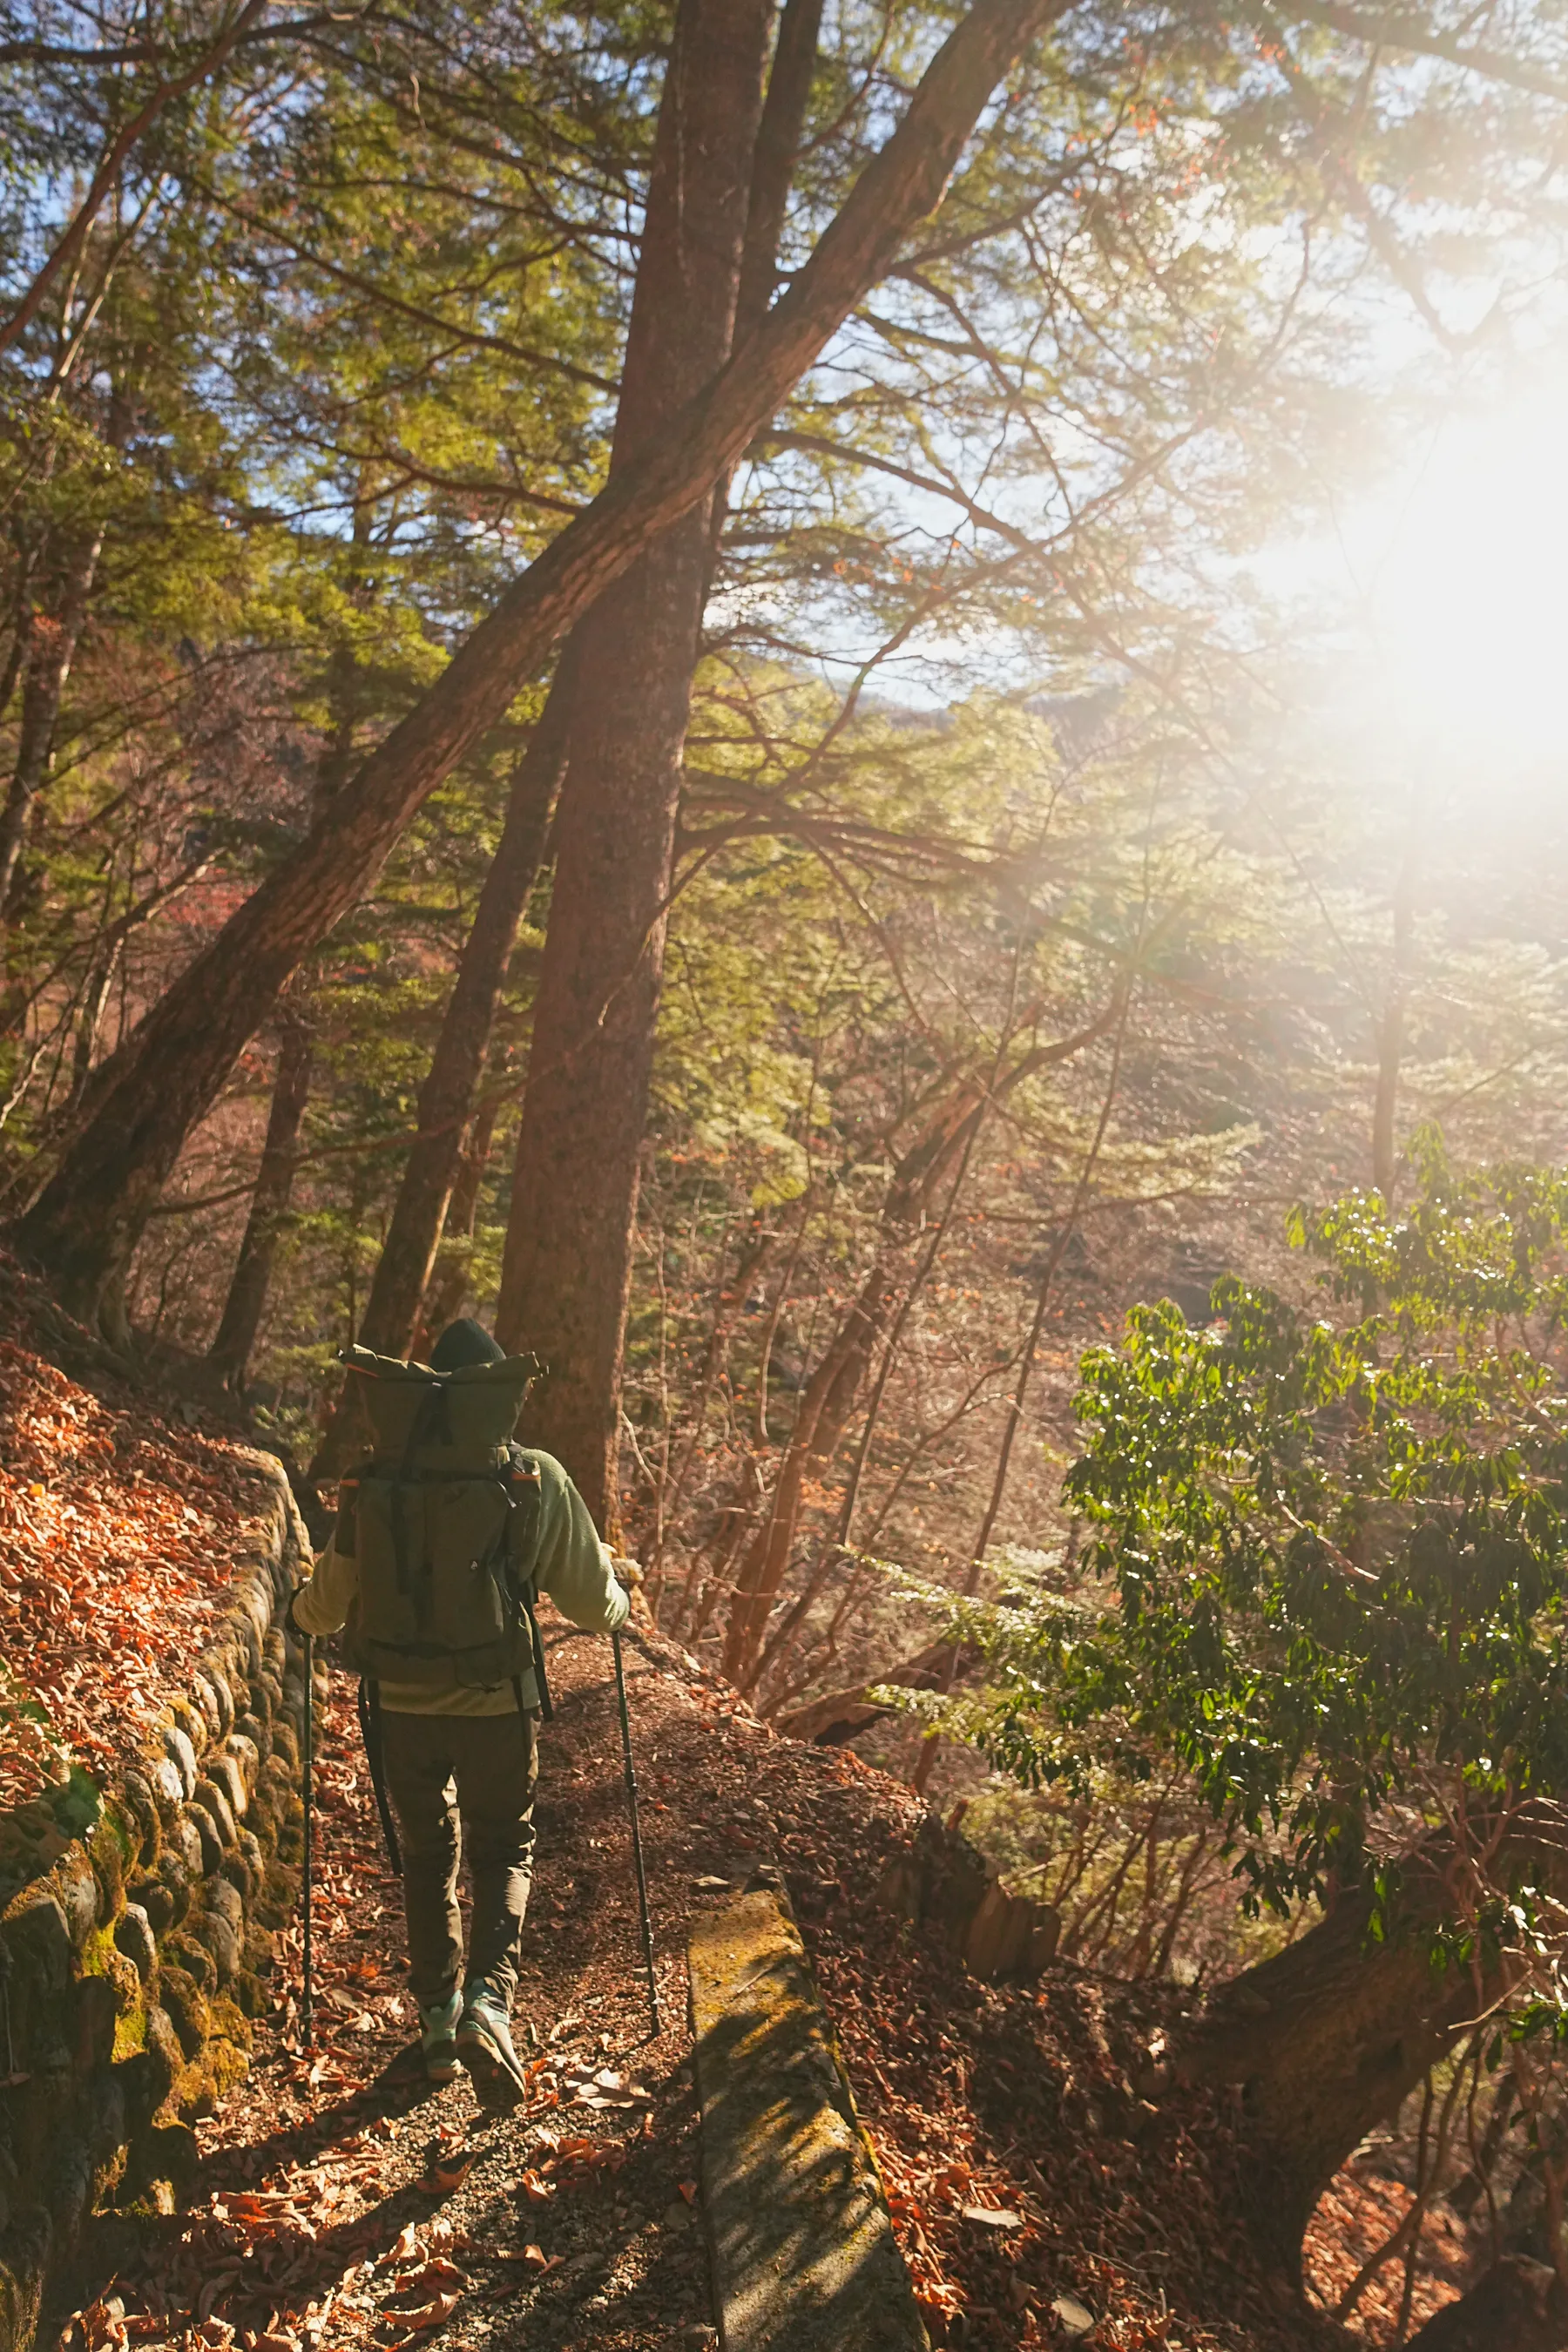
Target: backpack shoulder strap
{"x":525,"y":1492}
{"x":345,"y":1530}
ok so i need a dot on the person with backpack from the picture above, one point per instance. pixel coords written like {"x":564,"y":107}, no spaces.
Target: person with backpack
{"x":443,"y":1538}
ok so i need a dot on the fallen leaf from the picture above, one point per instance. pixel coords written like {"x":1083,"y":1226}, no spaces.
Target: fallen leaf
{"x":991,"y":2217}
{"x":540,"y":2260}
{"x":443,"y":2178}
{"x":436,"y":2275}
{"x":209,"y":2295}
{"x":427,"y":2314}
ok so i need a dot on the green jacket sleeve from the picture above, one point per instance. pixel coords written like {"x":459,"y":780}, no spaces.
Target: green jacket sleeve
{"x":572,"y":1565}
{"x":322,"y":1605}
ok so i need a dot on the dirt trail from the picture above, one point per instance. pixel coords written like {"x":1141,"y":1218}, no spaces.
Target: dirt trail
{"x":341,"y":2203}
{"x":341,"y":2200}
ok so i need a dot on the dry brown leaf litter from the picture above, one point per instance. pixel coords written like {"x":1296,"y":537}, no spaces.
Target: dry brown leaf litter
{"x":118,"y":1535}
{"x":344,"y":2204}
{"x":341,"y":2203}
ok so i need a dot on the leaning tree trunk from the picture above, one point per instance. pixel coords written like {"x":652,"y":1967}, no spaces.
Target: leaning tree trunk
{"x":1325,"y":2041}
{"x":452,"y":1276}
{"x":569,"y":1239}
{"x":87,"y":1220}
{"x":447,"y":1097}
{"x":241,"y":1318}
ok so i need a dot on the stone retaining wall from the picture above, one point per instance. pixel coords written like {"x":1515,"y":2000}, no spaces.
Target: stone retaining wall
{"x":132,"y":1965}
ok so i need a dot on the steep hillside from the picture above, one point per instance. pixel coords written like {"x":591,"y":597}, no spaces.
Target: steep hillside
{"x":336,"y":2192}
{"x":333,"y":2200}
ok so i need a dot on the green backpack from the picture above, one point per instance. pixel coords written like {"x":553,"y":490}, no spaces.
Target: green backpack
{"x":443,"y":1525}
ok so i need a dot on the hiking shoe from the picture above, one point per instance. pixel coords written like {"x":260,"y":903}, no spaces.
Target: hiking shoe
{"x":438,"y":2036}
{"x":484,"y":2045}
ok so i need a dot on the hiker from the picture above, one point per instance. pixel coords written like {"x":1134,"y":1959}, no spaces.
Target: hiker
{"x":454,"y":1673}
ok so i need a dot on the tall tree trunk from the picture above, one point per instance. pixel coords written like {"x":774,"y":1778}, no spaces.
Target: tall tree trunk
{"x":778,"y":135}
{"x":447,"y":1097}
{"x":569,"y":1237}
{"x":452,"y":1277}
{"x":86,"y":1220}
{"x":241,"y":1318}
{"x":52,"y":644}
{"x":828,"y":1398}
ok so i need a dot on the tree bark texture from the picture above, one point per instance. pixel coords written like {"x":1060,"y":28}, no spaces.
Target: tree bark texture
{"x":1517,"y":2307}
{"x":86,"y":1220}
{"x":447,"y":1097}
{"x":451,"y":1279}
{"x":52,"y":644}
{"x":1325,"y":2041}
{"x":241,"y":1318}
{"x":829,"y":1396}
{"x":567,"y":1267}
{"x":777,"y":150}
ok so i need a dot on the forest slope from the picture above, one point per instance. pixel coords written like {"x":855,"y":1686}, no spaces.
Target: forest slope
{"x":329,"y":2183}
{"x":335,"y":2191}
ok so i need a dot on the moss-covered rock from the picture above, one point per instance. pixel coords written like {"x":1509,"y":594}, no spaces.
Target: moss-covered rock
{"x":186,"y":2003}
{"x":155,"y":1899}
{"x":135,"y":1937}
{"x":187,"y":1951}
{"x":164,"y":2055}
{"x":274,"y":1906}
{"x":139,"y":1806}
{"x":230,"y":2023}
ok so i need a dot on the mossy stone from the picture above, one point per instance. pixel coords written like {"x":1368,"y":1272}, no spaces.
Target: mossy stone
{"x":139,"y":1806}
{"x":129,"y":2034}
{"x":218,"y":1936}
{"x":230,"y":2022}
{"x":257,"y":1732}
{"x":193,"y":1723}
{"x":260,"y":1950}
{"x":154,"y":1901}
{"x":106,"y":1850}
{"x":77,"y":1885}
{"x":162,"y":2054}
{"x":250,"y":1994}
{"x":176,"y":1879}
{"x":185,"y":1950}
{"x":134,"y":1937}
{"x":274,"y":1906}
{"x":187,"y":2006}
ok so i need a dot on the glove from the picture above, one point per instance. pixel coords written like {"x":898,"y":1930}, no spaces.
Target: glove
{"x":289,"y":1617}
{"x":629,"y":1572}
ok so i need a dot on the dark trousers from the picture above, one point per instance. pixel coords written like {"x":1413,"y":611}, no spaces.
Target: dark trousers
{"x":456,"y":1779}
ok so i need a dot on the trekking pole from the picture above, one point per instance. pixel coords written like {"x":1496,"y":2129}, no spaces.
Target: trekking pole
{"x":636,"y":1838}
{"x":305,"y":2019}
